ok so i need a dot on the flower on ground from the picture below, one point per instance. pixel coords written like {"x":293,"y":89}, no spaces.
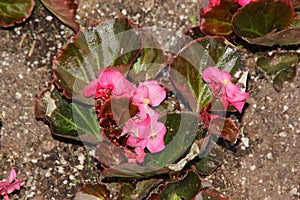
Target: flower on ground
{"x":146,"y":131}
{"x":10,"y":185}
{"x":110,"y":82}
{"x":221,"y":86}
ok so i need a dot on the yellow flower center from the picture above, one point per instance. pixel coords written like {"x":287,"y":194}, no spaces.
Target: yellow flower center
{"x":225,"y":82}
{"x":153,"y":134}
{"x":146,"y":101}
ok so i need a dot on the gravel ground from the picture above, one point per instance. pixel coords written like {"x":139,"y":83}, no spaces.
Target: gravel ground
{"x":264,"y":164}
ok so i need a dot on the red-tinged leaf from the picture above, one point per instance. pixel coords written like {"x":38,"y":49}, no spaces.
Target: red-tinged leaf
{"x":259,"y":18}
{"x":194,"y":33}
{"x":133,"y":171}
{"x":151,"y":61}
{"x":93,"y":192}
{"x":15,"y":11}
{"x":210,"y":194}
{"x":111,"y":43}
{"x":187,"y":66}
{"x":217,"y":21}
{"x":64,"y":10}
{"x":289,"y":36}
{"x":65,"y":118}
{"x":224,"y":127}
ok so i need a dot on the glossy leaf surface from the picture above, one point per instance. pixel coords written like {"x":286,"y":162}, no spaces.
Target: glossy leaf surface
{"x":111,"y":43}
{"x":259,"y":18}
{"x":64,"y":10}
{"x":15,"y":11}
{"x":186,"y":68}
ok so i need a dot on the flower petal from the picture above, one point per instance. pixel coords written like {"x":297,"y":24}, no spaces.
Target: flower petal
{"x":12,"y":176}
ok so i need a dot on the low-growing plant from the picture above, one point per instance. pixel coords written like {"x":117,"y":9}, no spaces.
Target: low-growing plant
{"x":143,"y":111}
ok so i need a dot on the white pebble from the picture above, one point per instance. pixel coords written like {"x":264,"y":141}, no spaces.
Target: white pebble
{"x":18,"y":95}
{"x":49,"y":18}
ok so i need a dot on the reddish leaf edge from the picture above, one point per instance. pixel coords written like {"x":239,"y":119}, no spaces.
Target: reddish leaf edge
{"x":55,"y":79}
{"x":20,"y":21}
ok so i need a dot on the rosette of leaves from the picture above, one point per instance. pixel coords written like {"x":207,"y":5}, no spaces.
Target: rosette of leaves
{"x":260,"y":22}
{"x":267,"y":22}
{"x":14,"y":12}
{"x":116,"y":44}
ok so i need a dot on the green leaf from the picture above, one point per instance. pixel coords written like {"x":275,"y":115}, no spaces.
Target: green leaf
{"x":64,"y":10}
{"x":186,"y":68}
{"x":151,"y":61}
{"x":208,"y":164}
{"x":286,"y":74}
{"x":133,"y":171}
{"x":93,"y":192}
{"x":65,"y":118}
{"x":278,"y":61}
{"x":15,"y":11}
{"x":186,"y":188}
{"x":289,"y":36}
{"x":181,"y":133}
{"x":111,"y":43}
{"x":217,"y":21}
{"x":194,"y":33}
{"x":259,"y":18}
{"x":138,"y":189}
{"x":210,"y":194}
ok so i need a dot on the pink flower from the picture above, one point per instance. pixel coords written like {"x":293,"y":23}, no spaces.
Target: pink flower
{"x":244,"y":2}
{"x":149,"y":93}
{"x":110,"y":82}
{"x":211,"y":4}
{"x":10,"y":185}
{"x":221,"y":86}
{"x":146,"y":131}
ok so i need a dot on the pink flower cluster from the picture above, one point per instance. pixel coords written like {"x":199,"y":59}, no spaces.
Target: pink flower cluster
{"x":221,"y":86}
{"x":143,"y":130}
{"x":10,"y":185}
{"x":218,"y":2}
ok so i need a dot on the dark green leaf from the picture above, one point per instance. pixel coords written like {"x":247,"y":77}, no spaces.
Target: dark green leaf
{"x":210,"y":194}
{"x":15,"y":11}
{"x":289,"y":36}
{"x":151,"y":61}
{"x":181,"y":133}
{"x":259,"y":18}
{"x":64,"y":10}
{"x":286,"y":74}
{"x":187,"y":67}
{"x":134,"y":171}
{"x":210,"y":163}
{"x":217,"y":21}
{"x":111,"y":43}
{"x":187,"y":188}
{"x":65,"y":118}
{"x":195,"y":33}
{"x":93,"y":192}
{"x":137,"y":190}
{"x":278,"y":61}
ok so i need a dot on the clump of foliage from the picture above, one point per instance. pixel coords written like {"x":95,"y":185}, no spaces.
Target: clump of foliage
{"x":17,"y":11}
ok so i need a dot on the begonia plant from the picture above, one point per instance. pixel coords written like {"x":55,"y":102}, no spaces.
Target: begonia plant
{"x":142,"y":112}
